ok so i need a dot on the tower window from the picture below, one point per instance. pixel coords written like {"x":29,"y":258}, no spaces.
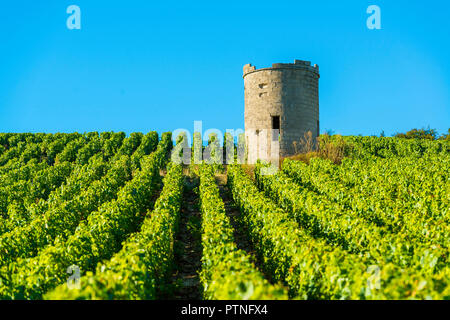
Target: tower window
{"x":275,"y":126}
{"x":276,"y":122}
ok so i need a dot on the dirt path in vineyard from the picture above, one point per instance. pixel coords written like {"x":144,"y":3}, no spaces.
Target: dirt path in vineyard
{"x":240,"y":233}
{"x":188,"y":251}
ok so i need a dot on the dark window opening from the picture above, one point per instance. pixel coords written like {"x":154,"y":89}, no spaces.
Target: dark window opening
{"x":275,"y":126}
{"x":276,"y":122}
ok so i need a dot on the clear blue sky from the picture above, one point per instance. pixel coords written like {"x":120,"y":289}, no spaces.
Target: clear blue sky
{"x":142,"y":65}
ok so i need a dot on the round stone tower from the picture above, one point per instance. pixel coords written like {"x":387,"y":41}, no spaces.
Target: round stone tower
{"x":283,"y":97}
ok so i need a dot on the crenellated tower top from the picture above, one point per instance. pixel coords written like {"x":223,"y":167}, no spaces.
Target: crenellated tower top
{"x":298,"y":64}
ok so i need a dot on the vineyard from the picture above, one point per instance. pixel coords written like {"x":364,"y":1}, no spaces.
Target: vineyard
{"x":110,"y":216}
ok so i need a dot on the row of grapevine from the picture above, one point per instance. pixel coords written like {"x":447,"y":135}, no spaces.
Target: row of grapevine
{"x":404,"y":178}
{"x":67,"y":148}
{"x":70,"y":151}
{"x":197,"y":148}
{"x":344,"y":227}
{"x":34,"y":148}
{"x":90,"y":186}
{"x":61,"y":214}
{"x":394,"y":194}
{"x":19,"y":145}
{"x":95,"y":239}
{"x":34,"y":182}
{"x":10,"y":140}
{"x":147,"y":145}
{"x":140,"y":269}
{"x":39,"y":179}
{"x":387,"y":147}
{"x":17,"y":197}
{"x":313,"y":269}
{"x":227,"y":273}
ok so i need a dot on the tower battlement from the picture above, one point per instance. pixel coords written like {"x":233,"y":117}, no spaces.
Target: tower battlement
{"x":298,"y":64}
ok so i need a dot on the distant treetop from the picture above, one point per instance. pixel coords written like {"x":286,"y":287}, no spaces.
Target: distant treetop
{"x":427,"y":134}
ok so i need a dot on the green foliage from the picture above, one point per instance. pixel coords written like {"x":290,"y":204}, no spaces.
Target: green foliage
{"x":85,"y":190}
{"x":344,"y":227}
{"x":213,"y":154}
{"x":129,"y":145}
{"x":368,"y":147}
{"x":229,"y":148}
{"x":445,"y":136}
{"x":177,"y":154}
{"x":148,"y":144}
{"x":34,"y":179}
{"x":314,"y":269}
{"x":227,"y":273}
{"x":408,"y":196}
{"x":197,"y":149}
{"x":22,"y":195}
{"x":376,"y":226}
{"x":111,"y":143}
{"x":70,"y":151}
{"x":426,"y":134}
{"x":96,"y":238}
{"x":310,"y":268}
{"x":60,"y":215}
{"x":141,"y":268}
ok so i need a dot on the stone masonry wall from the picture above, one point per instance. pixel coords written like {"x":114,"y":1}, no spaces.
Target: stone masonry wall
{"x":290,"y":91}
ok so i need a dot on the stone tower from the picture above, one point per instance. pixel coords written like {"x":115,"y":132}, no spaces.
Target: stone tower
{"x":284,"y":97}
